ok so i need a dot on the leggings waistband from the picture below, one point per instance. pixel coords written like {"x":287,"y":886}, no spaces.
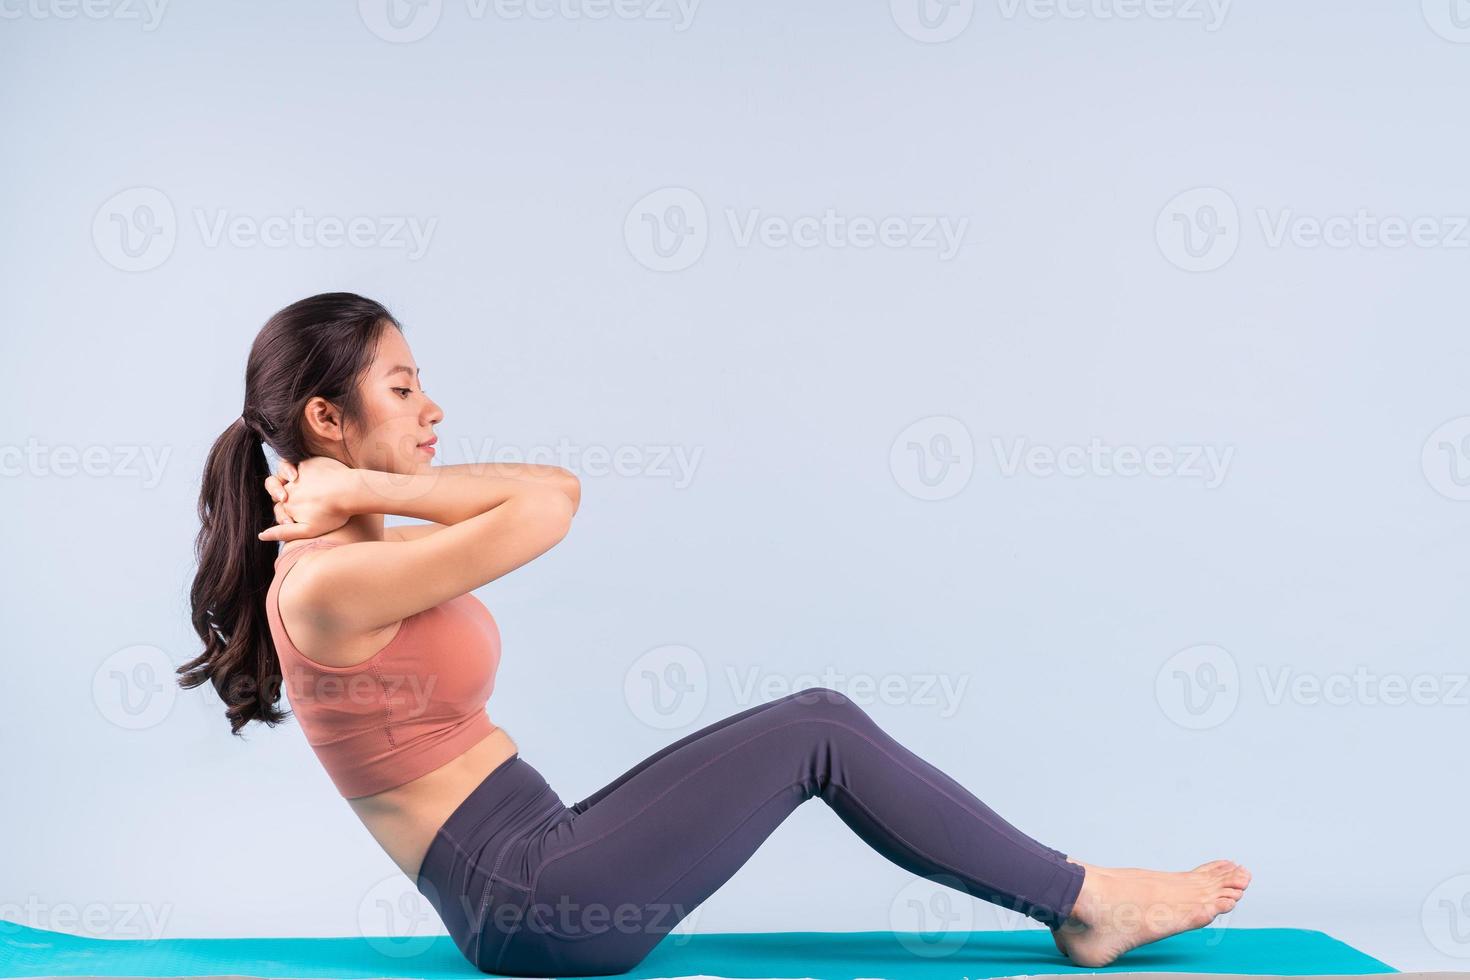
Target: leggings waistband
{"x":468,"y":847}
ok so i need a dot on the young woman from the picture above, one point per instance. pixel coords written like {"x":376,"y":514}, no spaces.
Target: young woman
{"x":388,"y":661}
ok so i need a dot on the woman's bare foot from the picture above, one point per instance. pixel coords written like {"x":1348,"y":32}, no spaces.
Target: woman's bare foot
{"x":1120,"y":909}
{"x":1145,"y":872}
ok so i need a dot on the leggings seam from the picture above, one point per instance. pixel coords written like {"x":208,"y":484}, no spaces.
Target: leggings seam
{"x":585,"y":804}
{"x":919,"y":850}
{"x":536,"y":875}
{"x":490,"y":887}
{"x":692,"y":866}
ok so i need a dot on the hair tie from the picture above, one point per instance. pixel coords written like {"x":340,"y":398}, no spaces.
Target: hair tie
{"x":265,"y":426}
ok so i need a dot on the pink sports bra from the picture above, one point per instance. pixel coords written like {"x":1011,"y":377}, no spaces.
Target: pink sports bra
{"x":412,"y":707}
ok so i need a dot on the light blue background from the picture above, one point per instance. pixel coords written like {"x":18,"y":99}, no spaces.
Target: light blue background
{"x":787,"y":373}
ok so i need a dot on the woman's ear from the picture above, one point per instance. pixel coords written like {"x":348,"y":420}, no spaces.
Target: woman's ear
{"x":323,"y":420}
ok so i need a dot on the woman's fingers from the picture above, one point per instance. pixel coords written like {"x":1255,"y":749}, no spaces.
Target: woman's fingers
{"x":275,"y":484}
{"x":287,"y":532}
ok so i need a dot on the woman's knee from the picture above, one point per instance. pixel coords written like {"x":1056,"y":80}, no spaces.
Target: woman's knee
{"x":829,"y":702}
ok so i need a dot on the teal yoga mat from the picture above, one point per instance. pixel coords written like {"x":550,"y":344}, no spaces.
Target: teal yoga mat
{"x":28,"y":952}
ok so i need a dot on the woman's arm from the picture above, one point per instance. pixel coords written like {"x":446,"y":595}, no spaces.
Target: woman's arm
{"x":493,"y":525}
{"x":555,"y":476}
{"x":544,"y":474}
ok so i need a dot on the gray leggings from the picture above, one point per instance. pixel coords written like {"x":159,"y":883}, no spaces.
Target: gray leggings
{"x":528,"y":886}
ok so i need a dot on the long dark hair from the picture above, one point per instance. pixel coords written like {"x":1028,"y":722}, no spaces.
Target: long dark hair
{"x":320,"y":345}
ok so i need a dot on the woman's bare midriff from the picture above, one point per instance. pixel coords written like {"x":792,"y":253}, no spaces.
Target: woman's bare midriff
{"x":405,"y":819}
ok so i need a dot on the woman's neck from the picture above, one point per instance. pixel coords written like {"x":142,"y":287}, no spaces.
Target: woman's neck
{"x":361,"y":527}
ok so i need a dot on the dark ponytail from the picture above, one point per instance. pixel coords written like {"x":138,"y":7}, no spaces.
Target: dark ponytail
{"x":319,"y":346}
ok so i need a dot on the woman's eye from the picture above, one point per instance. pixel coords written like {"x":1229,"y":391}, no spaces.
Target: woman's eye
{"x":403,"y":392}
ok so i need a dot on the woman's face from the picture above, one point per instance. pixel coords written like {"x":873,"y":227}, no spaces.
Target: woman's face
{"x":396,"y":431}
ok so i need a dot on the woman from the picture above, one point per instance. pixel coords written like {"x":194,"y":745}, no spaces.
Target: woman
{"x":388,"y":660}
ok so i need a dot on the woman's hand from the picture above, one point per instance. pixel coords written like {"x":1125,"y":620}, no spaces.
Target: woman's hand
{"x":310,"y":499}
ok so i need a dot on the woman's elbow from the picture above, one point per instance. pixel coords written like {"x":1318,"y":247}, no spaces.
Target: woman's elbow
{"x":571,"y":486}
